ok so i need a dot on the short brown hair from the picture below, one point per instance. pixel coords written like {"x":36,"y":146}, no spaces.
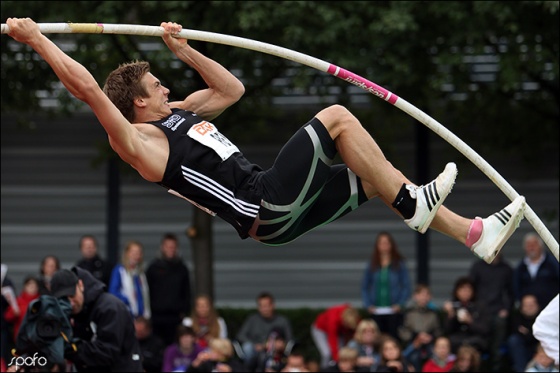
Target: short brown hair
{"x":123,"y":85}
{"x":350,"y":317}
{"x":347,"y":353}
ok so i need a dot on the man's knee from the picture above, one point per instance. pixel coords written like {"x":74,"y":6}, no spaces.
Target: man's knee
{"x":337,"y":118}
{"x":334,"y":113}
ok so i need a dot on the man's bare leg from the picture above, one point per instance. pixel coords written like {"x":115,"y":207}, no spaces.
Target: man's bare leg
{"x":362,"y":155}
{"x":360,"y":152}
{"x":417,"y":205}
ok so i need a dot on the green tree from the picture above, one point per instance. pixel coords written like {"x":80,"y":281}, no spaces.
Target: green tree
{"x":431,"y":53}
{"x":480,"y":67}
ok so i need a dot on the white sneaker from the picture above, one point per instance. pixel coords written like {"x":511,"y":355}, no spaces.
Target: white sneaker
{"x":497,"y":229}
{"x":430,"y":197}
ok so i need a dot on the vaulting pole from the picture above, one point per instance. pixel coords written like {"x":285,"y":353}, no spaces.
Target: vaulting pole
{"x":348,"y":76}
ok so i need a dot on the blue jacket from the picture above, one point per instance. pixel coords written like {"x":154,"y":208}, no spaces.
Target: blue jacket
{"x":399,"y":282}
{"x":544,"y":286}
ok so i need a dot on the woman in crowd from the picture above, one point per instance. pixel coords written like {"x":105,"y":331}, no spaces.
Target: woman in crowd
{"x":386,"y":286}
{"x":128,"y":281}
{"x":205,"y":321}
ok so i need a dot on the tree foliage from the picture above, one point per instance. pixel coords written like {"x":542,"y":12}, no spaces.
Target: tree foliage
{"x":478,"y":66}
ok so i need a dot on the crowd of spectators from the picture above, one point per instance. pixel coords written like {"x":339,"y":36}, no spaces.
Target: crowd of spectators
{"x":486,"y":319}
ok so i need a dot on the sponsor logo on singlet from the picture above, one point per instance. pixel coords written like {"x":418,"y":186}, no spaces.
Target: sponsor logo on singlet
{"x":173,"y":122}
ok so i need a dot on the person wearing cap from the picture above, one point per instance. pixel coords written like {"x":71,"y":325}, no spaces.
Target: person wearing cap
{"x":102,"y":324}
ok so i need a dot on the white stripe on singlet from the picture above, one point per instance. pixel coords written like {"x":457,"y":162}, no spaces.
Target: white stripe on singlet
{"x":218,"y":191}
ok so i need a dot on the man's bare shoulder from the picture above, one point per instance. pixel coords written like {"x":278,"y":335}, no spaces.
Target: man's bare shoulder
{"x":148,"y":130}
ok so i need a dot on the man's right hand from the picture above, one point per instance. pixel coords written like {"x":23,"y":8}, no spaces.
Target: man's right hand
{"x":24,"y":30}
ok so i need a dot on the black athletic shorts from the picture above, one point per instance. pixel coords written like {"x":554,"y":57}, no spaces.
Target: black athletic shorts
{"x":303,"y":190}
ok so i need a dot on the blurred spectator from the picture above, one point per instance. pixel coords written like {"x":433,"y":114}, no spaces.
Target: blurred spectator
{"x":537,"y":273}
{"x":103,"y":327}
{"x":386,"y":286}
{"x":91,"y":261}
{"x":219,"y":357}
{"x":29,"y":293}
{"x":178,"y":356}
{"x":541,"y":362}
{"x":205,"y":321}
{"x":151,"y":345}
{"x":521,"y":342}
{"x":546,"y":329}
{"x":468,"y":360}
{"x":421,"y":326}
{"x":312,"y":365}
{"x":255,"y":329}
{"x":8,"y":298}
{"x":128,"y":281}
{"x":467,"y":321}
{"x":492,"y":285}
{"x":347,"y":362}
{"x":366,"y":342}
{"x":295,"y":362}
{"x":332,"y":329}
{"x":170,"y":289}
{"x":442,"y":358}
{"x":49,"y":265}
{"x":392,"y":358}
{"x":275,"y":355}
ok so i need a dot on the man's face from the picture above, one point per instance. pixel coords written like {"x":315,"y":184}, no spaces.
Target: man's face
{"x":266,"y":307}
{"x":422,"y":297}
{"x":141,"y":328}
{"x":77,"y":300}
{"x":88,"y":248}
{"x":529,"y":305}
{"x":157,"y":101}
{"x":169,"y":249}
{"x":533,"y":248}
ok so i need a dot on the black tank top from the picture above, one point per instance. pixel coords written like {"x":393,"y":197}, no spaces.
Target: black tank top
{"x":215,"y":177}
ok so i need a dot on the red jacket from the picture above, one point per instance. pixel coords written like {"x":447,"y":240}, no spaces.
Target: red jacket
{"x":431,"y":366}
{"x":330,"y":322}
{"x":23,"y":301}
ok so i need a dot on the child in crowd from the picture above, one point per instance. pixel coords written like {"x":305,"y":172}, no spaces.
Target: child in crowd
{"x":468,"y":360}
{"x":392,"y":358}
{"x":178,"y":356}
{"x":442,"y":359}
{"x":295,"y":362}
{"x":218,"y":357}
{"x":347,"y":362}
{"x":273,"y":358}
{"x":29,"y":293}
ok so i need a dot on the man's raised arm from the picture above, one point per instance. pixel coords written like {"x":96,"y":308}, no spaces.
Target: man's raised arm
{"x":224,"y":89}
{"x":77,"y":79}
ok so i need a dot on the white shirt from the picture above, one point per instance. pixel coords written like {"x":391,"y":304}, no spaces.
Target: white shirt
{"x":545,"y":329}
